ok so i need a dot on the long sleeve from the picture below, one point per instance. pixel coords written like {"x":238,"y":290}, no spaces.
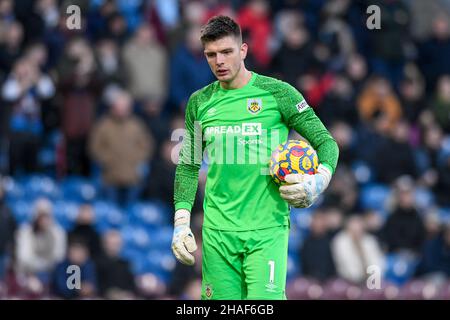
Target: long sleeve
{"x":186,"y":174}
{"x":302,"y":118}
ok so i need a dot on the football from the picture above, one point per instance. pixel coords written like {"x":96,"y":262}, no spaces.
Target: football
{"x":293,"y":156}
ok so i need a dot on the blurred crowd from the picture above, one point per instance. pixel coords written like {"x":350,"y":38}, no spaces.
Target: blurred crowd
{"x":103,"y":103}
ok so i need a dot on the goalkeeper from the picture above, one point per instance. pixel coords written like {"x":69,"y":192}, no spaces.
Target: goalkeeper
{"x":246,"y":215}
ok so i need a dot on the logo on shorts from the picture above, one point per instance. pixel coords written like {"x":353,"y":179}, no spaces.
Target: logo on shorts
{"x":254,"y":105}
{"x":270,"y":287}
{"x":208,"y":291}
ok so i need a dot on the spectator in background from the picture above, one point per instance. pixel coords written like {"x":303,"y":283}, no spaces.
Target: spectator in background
{"x":160,"y":182}
{"x":388,"y":45}
{"x":345,"y":138}
{"x":315,"y":255}
{"x":97,"y":18}
{"x":435,"y":261}
{"x":37,"y":54}
{"x":442,"y":188}
{"x":412,"y":99}
{"x":335,"y":33}
{"x":78,"y":86}
{"x":156,"y":119}
{"x":77,"y":255}
{"x":193,"y":14}
{"x":40,"y":244}
{"x":254,"y":19}
{"x":295,"y":55}
{"x":8,"y":228}
{"x":379,"y":98}
{"x":115,"y":279}
{"x":132,"y":12}
{"x":121,"y":145}
{"x":339,"y":103}
{"x":146,"y":65}
{"x":373,"y":223}
{"x":109,"y":62}
{"x":427,"y":155}
{"x":404,"y":230}
{"x":433,"y":52}
{"x":10,"y":46}
{"x":84,"y":230}
{"x":192,"y":290}
{"x":422,"y":16}
{"x":49,"y":13}
{"x":185,"y":280}
{"x":26,"y":90}
{"x":441,"y":103}
{"x":400,"y":153}
{"x":6,"y":17}
{"x":354,"y":250}
{"x":115,"y":28}
{"x":356,"y":71}
{"x":189,"y":70}
{"x":335,"y":219}
{"x":342,"y":191}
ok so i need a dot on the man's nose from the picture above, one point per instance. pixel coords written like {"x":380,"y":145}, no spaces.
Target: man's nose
{"x":219,"y":59}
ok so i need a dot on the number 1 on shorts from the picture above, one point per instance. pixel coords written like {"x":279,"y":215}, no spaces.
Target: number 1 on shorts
{"x":272,"y":271}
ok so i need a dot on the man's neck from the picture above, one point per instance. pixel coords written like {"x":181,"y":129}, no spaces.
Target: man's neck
{"x":239,"y":81}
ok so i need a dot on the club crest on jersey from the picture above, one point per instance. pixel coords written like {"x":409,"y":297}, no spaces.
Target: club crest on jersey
{"x":254,"y":105}
{"x":208,"y":291}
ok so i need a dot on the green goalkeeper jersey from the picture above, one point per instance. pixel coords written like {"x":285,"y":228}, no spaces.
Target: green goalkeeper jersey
{"x":235,"y":131}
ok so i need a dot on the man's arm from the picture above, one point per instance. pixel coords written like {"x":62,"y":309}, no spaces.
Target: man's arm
{"x":190,"y":159}
{"x":301,"y":117}
{"x":303,"y":190}
{"x":186,"y":184}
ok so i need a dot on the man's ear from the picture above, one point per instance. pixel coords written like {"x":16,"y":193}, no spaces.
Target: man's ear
{"x":244,"y":49}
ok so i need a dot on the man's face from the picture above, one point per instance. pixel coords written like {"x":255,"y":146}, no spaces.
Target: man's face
{"x":225,"y":57}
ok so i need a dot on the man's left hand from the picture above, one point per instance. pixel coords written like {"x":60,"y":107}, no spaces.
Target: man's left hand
{"x":302,"y":190}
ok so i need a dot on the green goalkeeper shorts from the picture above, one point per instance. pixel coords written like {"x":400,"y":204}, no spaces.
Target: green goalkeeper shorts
{"x":244,"y":265}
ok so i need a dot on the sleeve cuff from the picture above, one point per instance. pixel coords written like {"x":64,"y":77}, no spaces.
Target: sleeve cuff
{"x":183,"y":205}
{"x":326,"y":165}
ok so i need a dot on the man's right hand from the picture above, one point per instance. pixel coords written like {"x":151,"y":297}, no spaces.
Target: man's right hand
{"x":183,"y":241}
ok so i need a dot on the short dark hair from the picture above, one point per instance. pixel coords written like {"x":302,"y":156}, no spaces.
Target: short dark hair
{"x":219,"y":27}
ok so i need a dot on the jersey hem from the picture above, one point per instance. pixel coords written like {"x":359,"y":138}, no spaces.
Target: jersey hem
{"x":243,"y":230}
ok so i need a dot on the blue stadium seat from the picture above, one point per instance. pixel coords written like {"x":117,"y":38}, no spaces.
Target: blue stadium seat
{"x":293,"y":266}
{"x":137,"y":262}
{"x":444,"y":215}
{"x":108,"y":215}
{"x":301,"y":218}
{"x":79,"y":189}
{"x":162,"y":237}
{"x":47,"y":157}
{"x":22,"y":210}
{"x":13,"y":189}
{"x":36,"y":186}
{"x":400,"y":268}
{"x":296,"y":237}
{"x":374,"y":196}
{"x":424,"y":198}
{"x":160,"y":261}
{"x":136,"y":236}
{"x":65,"y":213}
{"x":363,"y":173}
{"x":148,"y":213}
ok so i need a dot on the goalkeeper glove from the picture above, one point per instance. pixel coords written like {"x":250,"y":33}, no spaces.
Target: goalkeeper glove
{"x":303,"y":190}
{"x":183,"y":241}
